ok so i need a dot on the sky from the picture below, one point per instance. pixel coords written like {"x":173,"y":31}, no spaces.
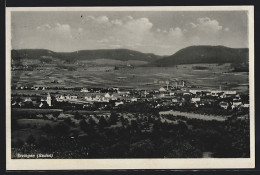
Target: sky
{"x":158,"y":32}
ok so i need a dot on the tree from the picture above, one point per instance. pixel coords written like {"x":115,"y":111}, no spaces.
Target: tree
{"x":30,"y":139}
{"x":91,"y":122}
{"x":14,"y":124}
{"x":113,"y":118}
{"x":78,"y":116}
{"x":68,"y":121}
{"x":83,"y":125}
{"x":47,"y":128}
{"x":56,"y":114}
{"x":102,"y":122}
{"x":43,"y":143}
{"x":61,"y":129}
{"x":134,"y":125}
{"x":141,"y":149}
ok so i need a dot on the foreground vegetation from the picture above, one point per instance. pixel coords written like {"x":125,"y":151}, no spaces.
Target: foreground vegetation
{"x":127,"y":135}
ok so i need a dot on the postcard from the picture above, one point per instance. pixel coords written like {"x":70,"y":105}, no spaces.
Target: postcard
{"x":130,"y":88}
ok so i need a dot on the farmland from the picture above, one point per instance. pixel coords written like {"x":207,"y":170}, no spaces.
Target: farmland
{"x":211,"y":77}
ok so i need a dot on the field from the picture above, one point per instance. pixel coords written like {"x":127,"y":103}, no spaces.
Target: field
{"x":195,"y":116}
{"x":212,"y":76}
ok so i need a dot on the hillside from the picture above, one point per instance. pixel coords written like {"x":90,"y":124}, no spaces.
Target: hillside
{"x":113,"y":54}
{"x":203,"y":54}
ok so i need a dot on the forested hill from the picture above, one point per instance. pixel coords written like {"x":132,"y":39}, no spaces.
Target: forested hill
{"x":114,"y":54}
{"x":204,"y":54}
{"x":188,"y":55}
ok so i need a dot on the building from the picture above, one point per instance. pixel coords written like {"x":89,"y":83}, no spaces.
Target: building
{"x":48,"y":100}
{"x":162,"y":89}
{"x":119,"y":103}
{"x":134,"y":99}
{"x":224,"y":105}
{"x":84,"y":90}
{"x":236,"y":103}
{"x":194,"y":100}
{"x":60,"y":98}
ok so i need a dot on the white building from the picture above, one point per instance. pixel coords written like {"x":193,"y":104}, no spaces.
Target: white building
{"x":27,"y":99}
{"x":60,"y":98}
{"x":96,"y":98}
{"x":119,"y":103}
{"x":107,"y":95}
{"x":171,"y":93}
{"x":162,"y":89}
{"x":223,"y":105}
{"x":48,"y":100}
{"x":194,"y":100}
{"x":236,"y":103}
{"x":134,"y":99}
{"x":84,"y":90}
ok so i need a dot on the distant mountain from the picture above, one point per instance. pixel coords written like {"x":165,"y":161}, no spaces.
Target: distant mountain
{"x":114,"y":54}
{"x":32,"y":53}
{"x":188,"y":55}
{"x":203,"y":54}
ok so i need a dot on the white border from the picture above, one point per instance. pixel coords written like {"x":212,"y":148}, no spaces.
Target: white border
{"x":78,"y":164}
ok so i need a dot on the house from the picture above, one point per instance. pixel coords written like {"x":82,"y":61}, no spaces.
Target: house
{"x":27,"y":99}
{"x":175,"y":100}
{"x":224,"y":105}
{"x":246,"y":105}
{"x":236,"y":103}
{"x":119,"y":103}
{"x":134,"y":99}
{"x":48,"y":99}
{"x":194,"y":91}
{"x":171,"y":94}
{"x":96,"y":98}
{"x":109,"y":95}
{"x":162,"y":89}
{"x":194,"y":100}
{"x":60,"y":98}
{"x":210,"y":100}
{"x":84,"y":90}
{"x":123,"y":93}
{"x":90,"y":98}
{"x":230,"y":92}
{"x":115,"y":88}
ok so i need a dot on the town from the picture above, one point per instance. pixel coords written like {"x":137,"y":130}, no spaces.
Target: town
{"x":173,"y":94}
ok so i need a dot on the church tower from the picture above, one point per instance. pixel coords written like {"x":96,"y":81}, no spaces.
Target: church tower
{"x":48,"y":100}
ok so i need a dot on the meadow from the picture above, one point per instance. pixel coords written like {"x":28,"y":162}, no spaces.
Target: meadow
{"x":212,"y":76}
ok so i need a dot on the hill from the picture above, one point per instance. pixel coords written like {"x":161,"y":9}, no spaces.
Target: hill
{"x":113,"y":54}
{"x":203,"y":54}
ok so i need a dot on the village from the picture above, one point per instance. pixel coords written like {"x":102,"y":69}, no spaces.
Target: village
{"x":170,"y":94}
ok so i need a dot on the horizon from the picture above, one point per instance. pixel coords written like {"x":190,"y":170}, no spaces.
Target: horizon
{"x":142,"y":31}
{"x":131,"y":49}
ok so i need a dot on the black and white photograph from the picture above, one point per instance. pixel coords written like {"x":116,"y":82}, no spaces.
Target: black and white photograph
{"x":130,"y":87}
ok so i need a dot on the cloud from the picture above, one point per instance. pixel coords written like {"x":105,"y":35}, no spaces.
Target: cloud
{"x":207,"y":25}
{"x":80,"y":29}
{"x":226,"y":29}
{"x":63,"y":28}
{"x":128,"y":23}
{"x":57,"y":29}
{"x":124,"y":31}
{"x":101,"y":32}
{"x":138,"y":25}
{"x":176,"y":32}
{"x":43,"y":27}
{"x":117,"y":22}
